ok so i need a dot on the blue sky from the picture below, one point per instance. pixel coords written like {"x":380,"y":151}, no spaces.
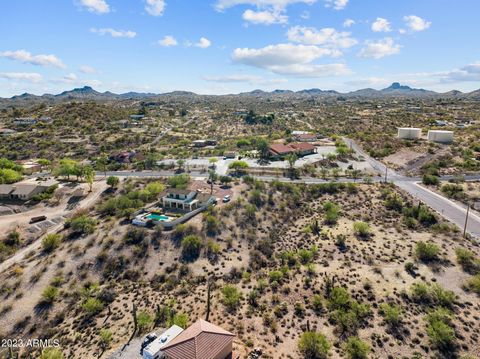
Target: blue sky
{"x":230,"y":46}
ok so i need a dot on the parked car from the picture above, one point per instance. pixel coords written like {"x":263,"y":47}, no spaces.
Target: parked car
{"x":226,"y":198}
{"x":148,"y":339}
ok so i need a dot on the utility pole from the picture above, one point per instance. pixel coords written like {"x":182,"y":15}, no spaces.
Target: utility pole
{"x":386,"y":173}
{"x":466,"y":221}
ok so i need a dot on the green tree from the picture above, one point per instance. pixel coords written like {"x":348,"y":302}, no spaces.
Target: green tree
{"x":238,"y":167}
{"x":92,"y":306}
{"x":231,"y":297}
{"x":144,"y":320}
{"x":191,"y":246}
{"x":314,"y":345}
{"x":83,"y":224}
{"x":355,"y":348}
{"x":113,"y":181}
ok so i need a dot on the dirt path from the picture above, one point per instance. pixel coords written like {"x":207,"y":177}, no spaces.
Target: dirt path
{"x":62,"y":210}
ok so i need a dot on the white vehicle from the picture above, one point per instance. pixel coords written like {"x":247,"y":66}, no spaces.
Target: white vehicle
{"x":226,"y":198}
{"x":154,"y":349}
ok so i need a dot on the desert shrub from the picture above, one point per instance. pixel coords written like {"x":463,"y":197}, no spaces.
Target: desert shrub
{"x":432,"y":294}
{"x":426,"y":251}
{"x":394,"y":202}
{"x":314,"y":345}
{"x":418,"y":214}
{"x":49,"y":294}
{"x":467,"y":259}
{"x":439,"y":329}
{"x":134,"y":236}
{"x":347,"y":313}
{"x":191,"y":246}
{"x":430,"y":180}
{"x":231,"y":297}
{"x":92,"y":306}
{"x":256,"y":198}
{"x":453,"y":191}
{"x":391,"y":313}
{"x":51,"y":353}
{"x":50,"y":242}
{"x":317,"y":303}
{"x":105,"y":337}
{"x":332,"y":212}
{"x":306,"y":256}
{"x":212,"y":225}
{"x":355,"y":348}
{"x":144,"y":320}
{"x":13,"y":239}
{"x":82,"y":224}
{"x":473,"y":284}
{"x":179,"y":181}
{"x":362,"y":229}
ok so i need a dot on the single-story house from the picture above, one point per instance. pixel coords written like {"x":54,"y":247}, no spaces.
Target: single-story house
{"x":25,"y":190}
{"x":280,"y":151}
{"x":303,"y":149}
{"x":202,"y":340}
{"x":185,"y":199}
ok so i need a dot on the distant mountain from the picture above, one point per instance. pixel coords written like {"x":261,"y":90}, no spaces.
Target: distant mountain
{"x":88,"y":93}
{"x":316,"y":91}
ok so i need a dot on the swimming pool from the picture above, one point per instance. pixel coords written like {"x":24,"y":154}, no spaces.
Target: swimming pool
{"x":158,"y":217}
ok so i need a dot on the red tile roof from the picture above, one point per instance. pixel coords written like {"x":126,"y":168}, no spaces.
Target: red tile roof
{"x":302,"y":146}
{"x":280,"y":149}
{"x":201,"y":340}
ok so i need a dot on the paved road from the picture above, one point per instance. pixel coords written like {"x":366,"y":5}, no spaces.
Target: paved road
{"x":452,"y":211}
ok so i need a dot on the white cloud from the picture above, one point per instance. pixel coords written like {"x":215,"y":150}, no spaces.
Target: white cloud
{"x":22,"y":76}
{"x":290,"y":59}
{"x":466,"y":73}
{"x":85,"y":69}
{"x":265,"y":17}
{"x":27,"y":58}
{"x":379,"y":49}
{"x":415,"y":23}
{"x":348,"y":23}
{"x":71,"y":77}
{"x":336,"y":4}
{"x":203,"y":43}
{"x":114,"y":33}
{"x":155,"y":7}
{"x":168,"y":41}
{"x":96,"y":6}
{"x":221,"y":5}
{"x":381,"y":25}
{"x":325,"y":36}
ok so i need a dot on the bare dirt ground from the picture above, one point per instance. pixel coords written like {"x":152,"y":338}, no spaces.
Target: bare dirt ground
{"x":153,"y":273}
